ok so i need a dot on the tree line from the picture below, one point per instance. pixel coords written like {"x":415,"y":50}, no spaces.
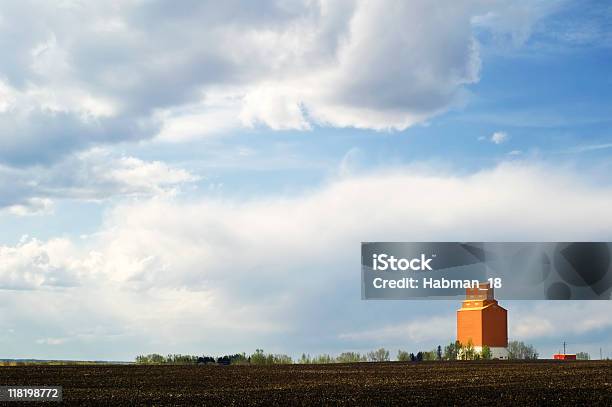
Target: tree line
{"x":452,"y":351}
{"x":378,"y":355}
{"x":256,"y":358}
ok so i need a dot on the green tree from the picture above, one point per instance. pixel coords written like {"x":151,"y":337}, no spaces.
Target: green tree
{"x":350,"y":357}
{"x":429,"y":355}
{"x":485,"y":353}
{"x":151,"y":359}
{"x":520,"y":350}
{"x":179,"y":359}
{"x":281,"y":359}
{"x":323,"y":359}
{"x":259,"y":357}
{"x":403,"y":356}
{"x":379,"y":355}
{"x":239,"y":359}
{"x":467,"y":351}
{"x":451,"y":350}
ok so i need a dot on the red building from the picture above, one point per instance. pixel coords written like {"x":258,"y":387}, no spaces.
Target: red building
{"x":483,"y":322}
{"x":564,"y":356}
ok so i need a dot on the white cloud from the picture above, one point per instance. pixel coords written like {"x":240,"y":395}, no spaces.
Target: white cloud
{"x":32,"y":264}
{"x":96,"y":174}
{"x":31,"y":206}
{"x":559,"y":320}
{"x":499,"y":137}
{"x":134,"y":176}
{"x":262,"y":271}
{"x":214,"y":114}
{"x":107,"y":72}
{"x":195,"y":240}
{"x":359,"y":86}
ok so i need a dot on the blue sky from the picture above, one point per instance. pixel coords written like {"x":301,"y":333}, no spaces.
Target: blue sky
{"x":198,"y":178}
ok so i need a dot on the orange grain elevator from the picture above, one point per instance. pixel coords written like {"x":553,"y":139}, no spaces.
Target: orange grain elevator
{"x":483,"y":321}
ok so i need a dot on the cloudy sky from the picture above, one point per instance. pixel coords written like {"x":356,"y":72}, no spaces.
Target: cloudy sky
{"x":198,"y":177}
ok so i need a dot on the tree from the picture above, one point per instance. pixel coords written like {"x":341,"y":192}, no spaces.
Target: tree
{"x":305,"y":359}
{"x":281,"y":359}
{"x":261,"y":358}
{"x":519,"y":350}
{"x":151,"y":359}
{"x":235,"y":359}
{"x":205,"y":360}
{"x":403,"y":356}
{"x":350,"y":357}
{"x":583,"y":356}
{"x":258,"y":358}
{"x":380,"y":355}
{"x":467,"y":351}
{"x":485,"y":353}
{"x":322,"y":359}
{"x":429,"y":355}
{"x":450,"y":351}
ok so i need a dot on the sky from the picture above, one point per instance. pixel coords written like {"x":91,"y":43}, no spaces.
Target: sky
{"x":197,"y":177}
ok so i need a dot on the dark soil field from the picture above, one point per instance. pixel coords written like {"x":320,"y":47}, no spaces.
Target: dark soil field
{"x":393,"y":383}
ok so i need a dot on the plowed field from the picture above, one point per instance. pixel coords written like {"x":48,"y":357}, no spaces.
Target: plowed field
{"x":394,"y":383}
